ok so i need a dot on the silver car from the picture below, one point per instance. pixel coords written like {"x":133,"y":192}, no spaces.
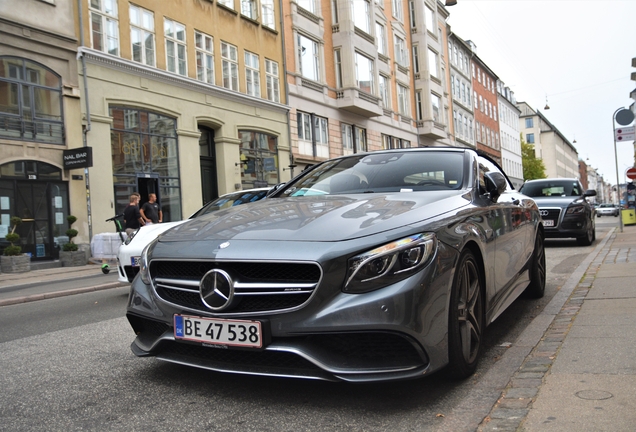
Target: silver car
{"x":607,"y":209}
{"x":369,"y":267}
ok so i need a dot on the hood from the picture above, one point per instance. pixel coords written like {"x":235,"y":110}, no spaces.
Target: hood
{"x":556,"y":201}
{"x":149,"y":232}
{"x":318,"y":218}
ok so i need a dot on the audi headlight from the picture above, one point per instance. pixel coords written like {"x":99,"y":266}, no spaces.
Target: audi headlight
{"x":389,"y":263}
{"x":573,"y":210}
{"x":144,"y":262}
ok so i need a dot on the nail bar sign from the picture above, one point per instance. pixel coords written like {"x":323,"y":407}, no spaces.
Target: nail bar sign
{"x":78,"y":158}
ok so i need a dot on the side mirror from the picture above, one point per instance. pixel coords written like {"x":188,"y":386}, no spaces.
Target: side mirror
{"x":496,"y":184}
{"x":589,"y":193}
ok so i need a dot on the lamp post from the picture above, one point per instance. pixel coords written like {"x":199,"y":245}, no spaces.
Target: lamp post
{"x":623,"y":117}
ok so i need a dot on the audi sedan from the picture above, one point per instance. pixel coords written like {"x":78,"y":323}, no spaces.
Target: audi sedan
{"x":564,"y":207}
{"x":369,"y":267}
{"x":607,"y":209}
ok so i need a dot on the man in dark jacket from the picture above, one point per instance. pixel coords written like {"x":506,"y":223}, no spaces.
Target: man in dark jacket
{"x":132,"y":217}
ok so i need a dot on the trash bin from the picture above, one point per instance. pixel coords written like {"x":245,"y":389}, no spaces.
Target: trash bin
{"x":629,"y":216}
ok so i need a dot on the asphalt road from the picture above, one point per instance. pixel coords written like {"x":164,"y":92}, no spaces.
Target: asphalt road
{"x":66,"y":365}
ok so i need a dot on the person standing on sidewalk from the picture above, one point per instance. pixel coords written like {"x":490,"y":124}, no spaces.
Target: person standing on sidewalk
{"x":150,"y":211}
{"x":132,"y":216}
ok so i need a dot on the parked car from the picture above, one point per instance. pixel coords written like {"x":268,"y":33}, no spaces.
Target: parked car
{"x":564,"y":208}
{"x":129,"y":253}
{"x":368,"y":267}
{"x":607,"y":209}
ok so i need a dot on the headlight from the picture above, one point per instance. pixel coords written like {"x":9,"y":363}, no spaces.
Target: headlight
{"x":144,"y":262}
{"x":573,"y":210}
{"x":389,"y":263}
{"x":131,"y":236}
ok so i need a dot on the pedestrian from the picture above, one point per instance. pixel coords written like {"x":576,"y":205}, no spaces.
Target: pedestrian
{"x":150,"y":211}
{"x":132,"y":216}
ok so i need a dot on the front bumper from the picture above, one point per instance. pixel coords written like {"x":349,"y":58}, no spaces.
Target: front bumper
{"x":397,"y":332}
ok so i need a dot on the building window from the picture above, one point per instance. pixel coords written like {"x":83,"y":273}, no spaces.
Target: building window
{"x":530,"y":138}
{"x":412,"y":16}
{"x":252,"y":74}
{"x":384,"y":91}
{"x":429,"y":18}
{"x":272,"y":80}
{"x":529,"y":122}
{"x":401,"y":56}
{"x":248,"y":9}
{"x":416,"y":59}
{"x":308,"y":58}
{"x":436,"y":104}
{"x":364,"y":73}
{"x":142,"y":35}
{"x":419,"y":115}
{"x":361,"y":139}
{"x":175,"y":34}
{"x":347,"y":139}
{"x":304,"y":133}
{"x":267,"y":9}
{"x":313,"y":136}
{"x":146,"y":142}
{"x":321,"y":133}
{"x":259,"y":151}
{"x":380,"y":34}
{"x":31,"y":102}
{"x":308,"y":5}
{"x":433,"y":63}
{"x":227,"y":3}
{"x":338,"y":65}
{"x":229,"y":54}
{"x":204,"y":47}
{"x":361,"y":15}
{"x":104,"y":26}
{"x":403,"y":101}
{"x":397,"y":9}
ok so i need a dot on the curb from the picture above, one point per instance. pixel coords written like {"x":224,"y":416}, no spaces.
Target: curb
{"x":512,"y":408}
{"x":36,"y":297}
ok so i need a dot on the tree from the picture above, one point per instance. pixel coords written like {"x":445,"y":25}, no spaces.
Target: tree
{"x":533,"y":167}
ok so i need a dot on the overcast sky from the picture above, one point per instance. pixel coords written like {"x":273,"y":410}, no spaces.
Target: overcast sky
{"x":575,"y":53}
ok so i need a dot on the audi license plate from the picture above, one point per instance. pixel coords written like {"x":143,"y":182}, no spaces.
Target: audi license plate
{"x":216,"y":331}
{"x":548,"y":222}
{"x":134,"y":261}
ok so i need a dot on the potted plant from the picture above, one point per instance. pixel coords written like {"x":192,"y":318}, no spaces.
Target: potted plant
{"x":70,"y":256}
{"x":13,"y":260}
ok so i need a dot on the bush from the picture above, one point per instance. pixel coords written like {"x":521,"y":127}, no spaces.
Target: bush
{"x":71,"y":233}
{"x":13,"y":237}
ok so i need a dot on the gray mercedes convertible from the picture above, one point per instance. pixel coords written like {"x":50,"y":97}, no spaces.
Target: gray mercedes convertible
{"x":368,"y":267}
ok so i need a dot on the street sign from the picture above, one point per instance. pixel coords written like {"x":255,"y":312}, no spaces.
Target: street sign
{"x":624,"y":134}
{"x":631,"y":173}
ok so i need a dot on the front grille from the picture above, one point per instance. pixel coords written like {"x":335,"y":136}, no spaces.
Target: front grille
{"x":551,"y":214}
{"x":258,"y":286}
{"x":131,"y":272}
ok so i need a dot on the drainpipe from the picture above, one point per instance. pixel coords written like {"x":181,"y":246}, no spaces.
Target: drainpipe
{"x":87,"y":127}
{"x":282,"y":35}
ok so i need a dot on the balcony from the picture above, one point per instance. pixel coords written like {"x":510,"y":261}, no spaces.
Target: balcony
{"x":358,"y":102}
{"x":431,"y":129}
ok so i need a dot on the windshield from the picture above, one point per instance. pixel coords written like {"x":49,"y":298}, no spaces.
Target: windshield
{"x":229,"y":200}
{"x":552,"y":188}
{"x":383,"y":172}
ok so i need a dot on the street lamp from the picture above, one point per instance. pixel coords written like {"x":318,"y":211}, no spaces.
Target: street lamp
{"x":623,"y":117}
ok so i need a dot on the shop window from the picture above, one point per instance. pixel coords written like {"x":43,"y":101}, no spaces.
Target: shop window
{"x":259,"y":159}
{"x":30,"y":102}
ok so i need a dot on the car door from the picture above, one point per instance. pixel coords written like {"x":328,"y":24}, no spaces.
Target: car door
{"x":511,"y":229}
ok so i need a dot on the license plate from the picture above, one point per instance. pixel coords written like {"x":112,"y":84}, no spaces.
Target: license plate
{"x":216,"y":331}
{"x":548,"y":222}
{"x":134,"y":261}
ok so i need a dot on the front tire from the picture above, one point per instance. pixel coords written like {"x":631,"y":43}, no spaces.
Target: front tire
{"x":536,"y":288}
{"x":590,"y":236}
{"x":466,"y":317}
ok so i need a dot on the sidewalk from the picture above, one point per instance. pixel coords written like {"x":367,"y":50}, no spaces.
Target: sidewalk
{"x":581,"y":375}
{"x":33,"y":285}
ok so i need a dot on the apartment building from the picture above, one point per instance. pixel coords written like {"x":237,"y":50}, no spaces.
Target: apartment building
{"x":461,"y":91}
{"x":486,"y":108}
{"x":363,"y":76}
{"x":558,"y":154}
{"x":39,"y":120}
{"x":511,"y":160}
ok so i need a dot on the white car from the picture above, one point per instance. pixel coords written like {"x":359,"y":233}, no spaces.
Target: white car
{"x":130,"y":251}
